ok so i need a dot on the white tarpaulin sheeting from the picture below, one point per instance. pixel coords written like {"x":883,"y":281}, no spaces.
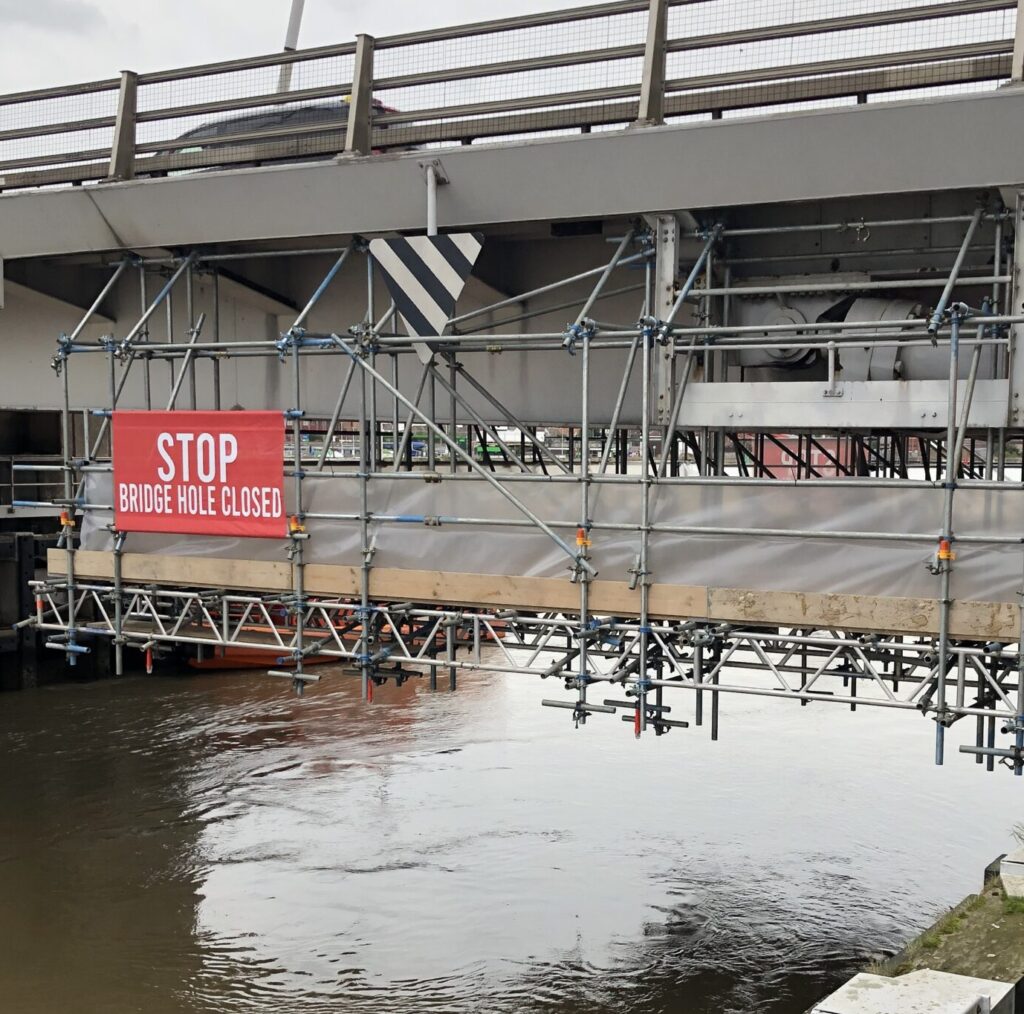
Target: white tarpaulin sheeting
{"x":801,"y":563}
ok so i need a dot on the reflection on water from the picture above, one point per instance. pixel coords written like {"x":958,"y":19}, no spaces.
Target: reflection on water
{"x":213,"y":844}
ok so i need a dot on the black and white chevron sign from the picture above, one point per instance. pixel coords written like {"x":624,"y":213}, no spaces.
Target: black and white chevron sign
{"x":425,"y":276}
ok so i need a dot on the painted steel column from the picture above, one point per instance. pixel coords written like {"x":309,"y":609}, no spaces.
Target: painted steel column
{"x":666,"y":265}
{"x":652,"y":87}
{"x":359,"y":129}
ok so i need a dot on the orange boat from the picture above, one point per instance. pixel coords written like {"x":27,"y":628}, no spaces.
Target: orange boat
{"x":225,"y":657}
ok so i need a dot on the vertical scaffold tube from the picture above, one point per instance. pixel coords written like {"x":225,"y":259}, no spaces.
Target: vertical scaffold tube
{"x":583,"y":537}
{"x":394,"y":413}
{"x":189,"y":365}
{"x":147,"y":380}
{"x":370,"y":309}
{"x":620,"y":398}
{"x":400,"y":449}
{"x":645,"y":521}
{"x":1018,"y":731}
{"x":118,"y":605}
{"x":216,"y":338}
{"x":954,"y":275}
{"x":298,"y":529}
{"x":364,"y":533}
{"x":945,"y":554}
{"x":69,"y":513}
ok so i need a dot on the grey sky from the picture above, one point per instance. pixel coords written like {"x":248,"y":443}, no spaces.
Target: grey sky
{"x":49,"y":42}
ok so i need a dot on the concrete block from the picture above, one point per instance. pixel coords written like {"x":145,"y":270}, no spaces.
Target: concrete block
{"x":1011,"y":870}
{"x":922,"y":992}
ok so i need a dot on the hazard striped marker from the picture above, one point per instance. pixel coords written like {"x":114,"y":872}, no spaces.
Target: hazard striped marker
{"x":425,"y":276}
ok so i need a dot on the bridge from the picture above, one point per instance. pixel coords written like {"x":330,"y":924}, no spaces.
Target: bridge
{"x":730,"y":403}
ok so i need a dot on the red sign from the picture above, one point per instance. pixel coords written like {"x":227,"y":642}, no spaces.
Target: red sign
{"x":199,"y":473}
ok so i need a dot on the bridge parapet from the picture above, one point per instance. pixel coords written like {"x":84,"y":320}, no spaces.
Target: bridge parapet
{"x":608,"y":65}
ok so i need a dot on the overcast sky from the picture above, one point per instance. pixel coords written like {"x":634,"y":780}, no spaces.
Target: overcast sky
{"x":49,"y":42}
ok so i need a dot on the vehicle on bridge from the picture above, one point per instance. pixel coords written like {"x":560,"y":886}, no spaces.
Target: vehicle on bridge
{"x":284,"y":120}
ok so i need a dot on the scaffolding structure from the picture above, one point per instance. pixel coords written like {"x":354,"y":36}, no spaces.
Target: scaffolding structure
{"x":645,"y":645}
{"x":807,"y":482}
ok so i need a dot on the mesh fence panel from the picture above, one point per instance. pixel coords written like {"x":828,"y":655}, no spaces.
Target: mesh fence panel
{"x":34,"y":119}
{"x":601,"y":55}
{"x":193,"y":131}
{"x":730,"y":44}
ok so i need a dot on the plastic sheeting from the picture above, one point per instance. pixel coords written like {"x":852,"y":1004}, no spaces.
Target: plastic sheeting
{"x":798,"y":563}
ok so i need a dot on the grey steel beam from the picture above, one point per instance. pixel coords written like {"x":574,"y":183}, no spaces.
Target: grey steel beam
{"x":858,"y":151}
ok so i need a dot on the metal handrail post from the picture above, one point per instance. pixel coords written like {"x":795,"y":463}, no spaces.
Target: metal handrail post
{"x":359,"y":128}
{"x":1017,"y":67}
{"x":652,"y":88}
{"x":122,"y":151}
{"x":291,"y":43}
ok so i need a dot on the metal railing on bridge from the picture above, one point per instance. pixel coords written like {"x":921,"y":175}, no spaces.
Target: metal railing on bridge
{"x":603,"y":66}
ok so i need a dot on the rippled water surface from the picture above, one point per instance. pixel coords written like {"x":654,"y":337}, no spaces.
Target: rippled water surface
{"x":212,"y":844}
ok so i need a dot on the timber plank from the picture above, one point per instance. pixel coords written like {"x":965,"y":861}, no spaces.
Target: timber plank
{"x":974,"y":620}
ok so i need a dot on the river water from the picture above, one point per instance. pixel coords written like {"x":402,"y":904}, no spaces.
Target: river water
{"x":210,"y":843}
